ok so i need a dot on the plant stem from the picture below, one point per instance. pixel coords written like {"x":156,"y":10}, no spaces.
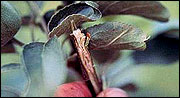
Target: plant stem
{"x":36,"y":14}
{"x":86,"y":60}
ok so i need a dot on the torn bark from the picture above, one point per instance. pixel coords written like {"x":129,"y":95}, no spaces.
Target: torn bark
{"x":86,"y":60}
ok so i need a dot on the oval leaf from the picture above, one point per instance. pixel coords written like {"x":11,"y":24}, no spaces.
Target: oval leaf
{"x":80,"y":12}
{"x":33,"y":61}
{"x":14,"y":79}
{"x":54,"y":65}
{"x":10,"y":22}
{"x":149,"y":9}
{"x":115,"y":35}
{"x":46,"y":66}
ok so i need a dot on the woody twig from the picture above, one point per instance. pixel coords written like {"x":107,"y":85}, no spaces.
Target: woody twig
{"x":80,"y":40}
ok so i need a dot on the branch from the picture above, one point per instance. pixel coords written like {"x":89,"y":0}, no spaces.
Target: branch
{"x":36,"y":14}
{"x":86,"y":60}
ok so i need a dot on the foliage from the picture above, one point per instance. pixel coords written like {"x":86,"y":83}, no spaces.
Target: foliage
{"x":39,"y":66}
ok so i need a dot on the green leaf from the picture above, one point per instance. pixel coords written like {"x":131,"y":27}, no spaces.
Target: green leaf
{"x":10,"y":22}
{"x":149,"y":9}
{"x":14,"y":80}
{"x":171,"y":28}
{"x":9,"y":92}
{"x":91,"y":3}
{"x":80,"y":12}
{"x":54,"y":65}
{"x":115,"y":35}
{"x":115,"y":74}
{"x":162,"y":49}
{"x":46,"y":66}
{"x":33,"y":61}
{"x":73,"y":76}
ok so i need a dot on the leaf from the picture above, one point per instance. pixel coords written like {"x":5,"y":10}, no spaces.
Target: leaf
{"x":54,"y":65}
{"x":105,"y":56}
{"x":114,"y":74}
{"x":160,"y":50}
{"x":9,"y":92}
{"x":73,"y":76}
{"x":68,"y":2}
{"x":14,"y":80}
{"x":171,"y":28}
{"x":80,"y":12}
{"x":10,"y":22}
{"x":46,"y":66}
{"x":149,"y":9}
{"x":33,"y":61}
{"x":91,"y":3}
{"x":115,"y":35}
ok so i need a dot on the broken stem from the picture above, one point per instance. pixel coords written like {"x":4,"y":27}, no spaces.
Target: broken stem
{"x":86,"y":60}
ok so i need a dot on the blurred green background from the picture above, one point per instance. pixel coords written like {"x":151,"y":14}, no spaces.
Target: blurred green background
{"x":160,"y":80}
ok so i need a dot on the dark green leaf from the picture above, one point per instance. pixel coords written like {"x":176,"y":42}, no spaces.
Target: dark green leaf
{"x":148,"y":9}
{"x":160,"y":50}
{"x":10,"y":22}
{"x":115,"y":35}
{"x":68,"y":2}
{"x":14,"y":79}
{"x":163,"y":47}
{"x":105,"y":56}
{"x":80,"y":12}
